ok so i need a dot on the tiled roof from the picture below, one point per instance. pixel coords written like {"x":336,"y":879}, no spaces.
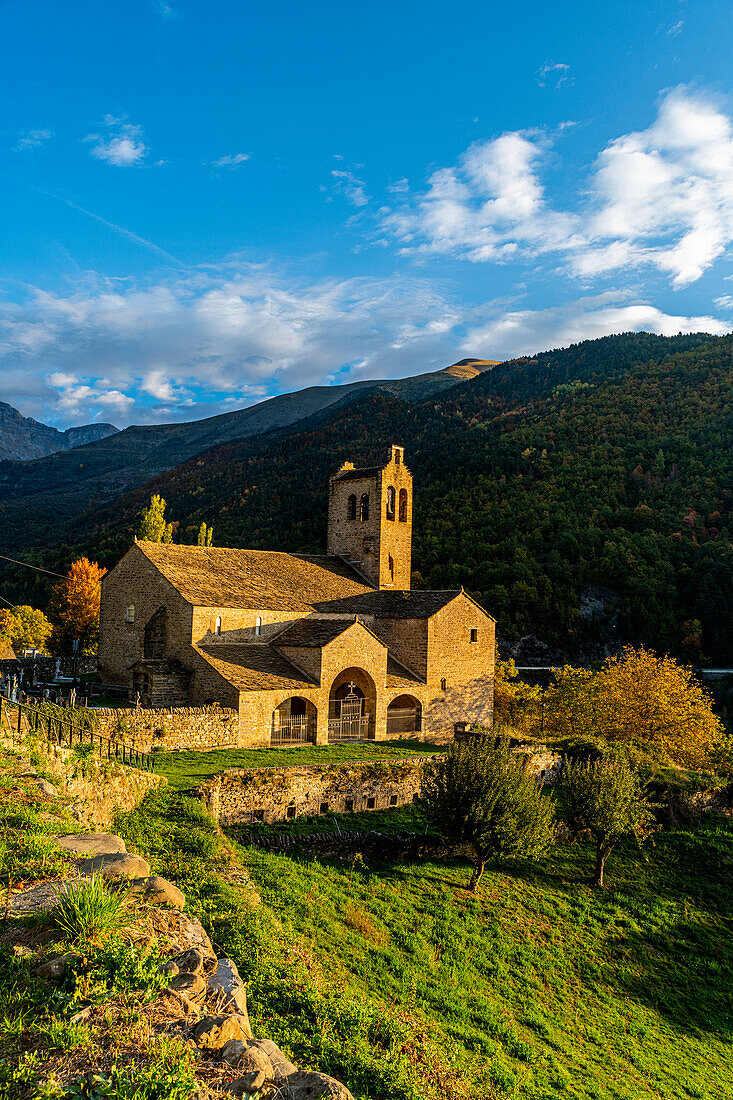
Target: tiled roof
{"x":390,"y":604}
{"x":6,"y":651}
{"x":253,"y":667}
{"x":399,"y":676}
{"x":313,"y":633}
{"x":357,"y":475}
{"x":214,"y":576}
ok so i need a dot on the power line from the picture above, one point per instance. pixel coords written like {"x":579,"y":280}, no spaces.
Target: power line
{"x":37,"y":568}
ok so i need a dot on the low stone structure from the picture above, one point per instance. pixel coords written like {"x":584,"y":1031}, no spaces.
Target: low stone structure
{"x":250,"y":795}
{"x":172,"y":729}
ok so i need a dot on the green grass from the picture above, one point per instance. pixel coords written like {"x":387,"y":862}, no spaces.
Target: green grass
{"x":187,"y":769}
{"x":399,"y":982}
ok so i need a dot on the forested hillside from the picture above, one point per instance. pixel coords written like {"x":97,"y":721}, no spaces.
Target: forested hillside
{"x":597,"y":477}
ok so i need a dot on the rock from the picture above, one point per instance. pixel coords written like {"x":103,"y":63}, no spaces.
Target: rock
{"x":281,"y":1066}
{"x":158,"y":891}
{"x":56,"y":968}
{"x":193,"y":985}
{"x":314,"y":1086}
{"x":92,"y":844}
{"x":116,"y":866}
{"x":169,"y":968}
{"x":227,"y":983}
{"x":189,"y":962}
{"x":46,"y":788}
{"x":190,"y":933}
{"x":42,"y":896}
{"x":251,"y":1063}
{"x":81,"y":1015}
{"x":214,"y":1032}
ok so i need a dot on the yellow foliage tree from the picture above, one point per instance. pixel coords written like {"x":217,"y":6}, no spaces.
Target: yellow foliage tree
{"x":650,"y":706}
{"x":25,"y":628}
{"x":516,"y":704}
{"x":74,"y":608}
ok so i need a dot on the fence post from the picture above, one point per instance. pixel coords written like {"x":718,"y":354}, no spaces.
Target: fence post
{"x":20,"y":718}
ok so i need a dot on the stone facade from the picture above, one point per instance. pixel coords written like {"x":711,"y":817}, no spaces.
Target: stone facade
{"x":305,"y":649}
{"x":246,"y":796}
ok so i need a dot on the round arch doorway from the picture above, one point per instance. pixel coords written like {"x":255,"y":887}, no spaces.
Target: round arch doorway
{"x":404,"y":716}
{"x":351,"y":706}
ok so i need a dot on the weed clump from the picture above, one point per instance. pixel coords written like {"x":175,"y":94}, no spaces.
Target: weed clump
{"x":90,"y":912}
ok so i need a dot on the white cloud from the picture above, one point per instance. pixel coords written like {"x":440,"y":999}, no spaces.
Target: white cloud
{"x":675,"y":29}
{"x":525,"y":331}
{"x":225,"y":336}
{"x":350,"y":186}
{"x":32,"y":139}
{"x":555,"y":73}
{"x":231,"y":160}
{"x":121,"y":145}
{"x":660,"y":197}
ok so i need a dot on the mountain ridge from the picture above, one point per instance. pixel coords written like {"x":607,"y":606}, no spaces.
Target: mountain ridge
{"x":24,"y":439}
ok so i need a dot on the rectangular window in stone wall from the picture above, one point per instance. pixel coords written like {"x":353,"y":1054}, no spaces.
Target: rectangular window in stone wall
{"x":474,"y":634}
{"x":348,"y":805}
{"x":371,"y":803}
{"x":324,"y":808}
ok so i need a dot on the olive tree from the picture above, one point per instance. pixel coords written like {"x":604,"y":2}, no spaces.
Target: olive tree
{"x":605,"y":797}
{"x":479,"y":794}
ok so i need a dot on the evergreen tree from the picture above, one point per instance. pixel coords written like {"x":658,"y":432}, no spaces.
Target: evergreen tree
{"x":153,"y":526}
{"x":479,"y":794}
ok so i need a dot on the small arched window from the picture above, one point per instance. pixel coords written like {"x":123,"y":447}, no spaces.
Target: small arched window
{"x":364,"y":511}
{"x":351,"y":507}
{"x":258,"y":626}
{"x":217,"y":625}
{"x":130,"y":613}
{"x":403,"y":505}
{"x":390,"y":502}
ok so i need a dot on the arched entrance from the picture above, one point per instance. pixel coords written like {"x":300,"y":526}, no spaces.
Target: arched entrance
{"x":404,"y":715}
{"x":294,"y":722}
{"x":351,"y":706}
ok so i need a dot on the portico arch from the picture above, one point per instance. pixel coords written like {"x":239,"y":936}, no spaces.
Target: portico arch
{"x":404,"y":716}
{"x":352,"y":706}
{"x":294,"y":721}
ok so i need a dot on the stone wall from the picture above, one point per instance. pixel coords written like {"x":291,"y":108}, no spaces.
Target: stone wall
{"x":199,"y":728}
{"x":45,"y":668}
{"x":96,"y":788}
{"x":247,"y":795}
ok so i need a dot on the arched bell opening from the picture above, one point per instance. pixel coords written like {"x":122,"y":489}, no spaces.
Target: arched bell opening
{"x":404,"y":716}
{"x":294,"y":722}
{"x":351,"y":706}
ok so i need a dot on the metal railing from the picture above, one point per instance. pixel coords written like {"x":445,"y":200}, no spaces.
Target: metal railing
{"x":293,"y":731}
{"x":403,"y":720}
{"x":60,"y":730}
{"x":350,"y":728}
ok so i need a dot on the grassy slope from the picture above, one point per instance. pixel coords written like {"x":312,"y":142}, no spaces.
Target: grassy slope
{"x":398,"y":981}
{"x":186,"y":769}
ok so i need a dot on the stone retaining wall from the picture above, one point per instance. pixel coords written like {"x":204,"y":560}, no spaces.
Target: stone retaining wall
{"x":250,"y":795}
{"x":199,"y":728}
{"x":96,"y":788}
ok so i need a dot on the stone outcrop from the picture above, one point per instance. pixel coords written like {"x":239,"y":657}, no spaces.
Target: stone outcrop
{"x":116,"y":866}
{"x":92,"y":844}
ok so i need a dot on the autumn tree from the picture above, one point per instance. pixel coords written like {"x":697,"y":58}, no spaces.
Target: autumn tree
{"x":478,"y":793}
{"x":153,"y":526}
{"x":74,"y":608}
{"x":205,"y":535}
{"x":650,"y":707}
{"x":606,"y":798}
{"x":25,"y":627}
{"x":516,"y":703}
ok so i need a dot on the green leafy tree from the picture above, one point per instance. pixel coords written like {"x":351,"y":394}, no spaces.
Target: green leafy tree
{"x":606,"y":798}
{"x":479,"y":794}
{"x":153,"y":526}
{"x":205,"y":535}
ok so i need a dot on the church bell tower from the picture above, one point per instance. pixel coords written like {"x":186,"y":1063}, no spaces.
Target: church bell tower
{"x":370,"y":520}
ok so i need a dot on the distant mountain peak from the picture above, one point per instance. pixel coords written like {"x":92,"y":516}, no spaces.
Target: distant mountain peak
{"x":23,"y":438}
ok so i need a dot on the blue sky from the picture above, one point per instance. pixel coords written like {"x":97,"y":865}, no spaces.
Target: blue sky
{"x":206,"y":203}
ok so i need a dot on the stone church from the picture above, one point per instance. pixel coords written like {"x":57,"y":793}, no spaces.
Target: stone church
{"x":306,"y":648}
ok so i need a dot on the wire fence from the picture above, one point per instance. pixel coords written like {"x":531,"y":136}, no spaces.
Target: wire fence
{"x":57,"y":727}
